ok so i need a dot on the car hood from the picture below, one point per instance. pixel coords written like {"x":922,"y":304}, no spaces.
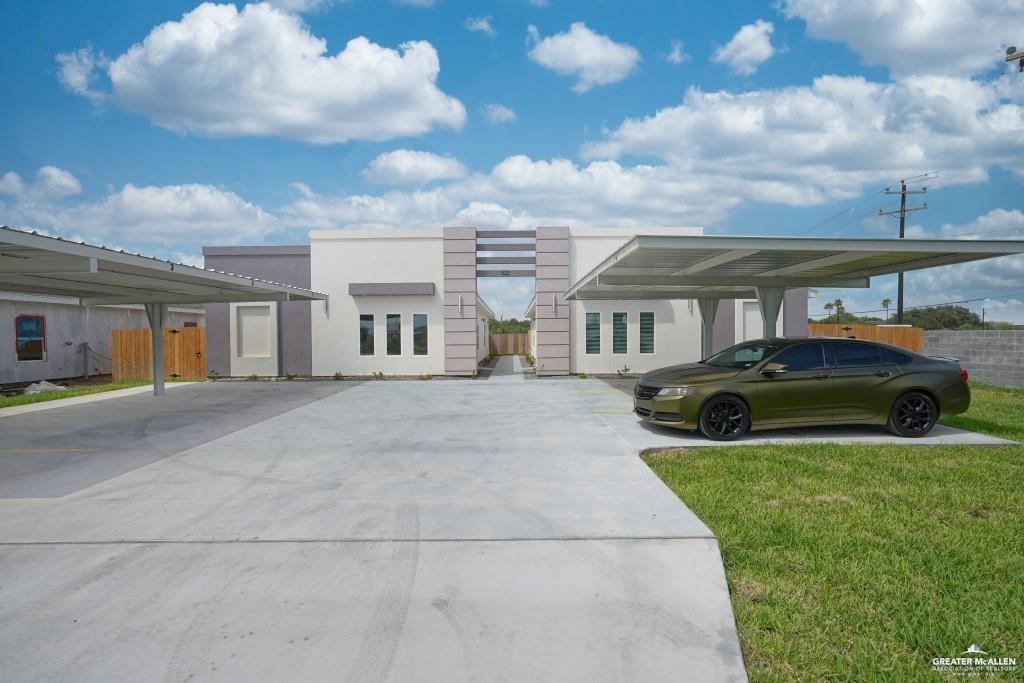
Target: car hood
{"x":687,"y":374}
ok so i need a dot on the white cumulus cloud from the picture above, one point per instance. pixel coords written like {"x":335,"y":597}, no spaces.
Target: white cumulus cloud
{"x":259,"y":71}
{"x":951,"y":37}
{"x":162,"y":217}
{"x":499,"y":113}
{"x":831,"y":140}
{"x":592,"y":58}
{"x":481,"y":25}
{"x":677,"y":55}
{"x":50,"y":183}
{"x":748,"y":49}
{"x":413,"y":167}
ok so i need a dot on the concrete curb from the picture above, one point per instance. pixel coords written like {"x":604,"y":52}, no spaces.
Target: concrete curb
{"x":89,"y":398}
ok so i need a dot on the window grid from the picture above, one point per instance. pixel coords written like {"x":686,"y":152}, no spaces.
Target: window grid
{"x":620,"y":333}
{"x":593,"y":333}
{"x":647,"y":332}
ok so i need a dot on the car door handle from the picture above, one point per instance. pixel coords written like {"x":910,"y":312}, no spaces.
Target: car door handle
{"x":883,"y":373}
{"x":821,"y":375}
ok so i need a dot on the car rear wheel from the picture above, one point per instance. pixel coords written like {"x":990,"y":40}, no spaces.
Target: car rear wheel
{"x":724,"y":418}
{"x":913,"y":415}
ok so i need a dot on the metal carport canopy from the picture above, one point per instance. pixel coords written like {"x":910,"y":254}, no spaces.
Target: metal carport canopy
{"x":37,"y":264}
{"x":711,"y":268}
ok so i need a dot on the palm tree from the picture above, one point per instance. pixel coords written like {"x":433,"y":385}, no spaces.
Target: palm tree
{"x":828,"y":309}
{"x":839,"y":310}
{"x":886,"y":303}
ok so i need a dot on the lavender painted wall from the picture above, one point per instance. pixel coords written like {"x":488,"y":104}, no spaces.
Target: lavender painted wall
{"x":794,"y":313}
{"x":285,"y":264}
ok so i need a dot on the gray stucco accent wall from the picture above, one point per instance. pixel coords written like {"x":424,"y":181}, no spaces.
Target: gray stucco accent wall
{"x":723,"y":332}
{"x":794,"y":313}
{"x":460,"y":301}
{"x":552,"y":308}
{"x":285,"y":264}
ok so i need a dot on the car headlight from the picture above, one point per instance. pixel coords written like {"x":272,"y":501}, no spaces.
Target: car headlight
{"x":675,"y":392}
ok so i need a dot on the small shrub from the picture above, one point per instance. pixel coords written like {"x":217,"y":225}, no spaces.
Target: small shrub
{"x":290,"y":376}
{"x":253,"y":378}
{"x":338,"y":375}
{"x":530,"y":360}
{"x":581,"y":375}
{"x":426,"y":376}
{"x":378,"y":375}
{"x":624,"y":371}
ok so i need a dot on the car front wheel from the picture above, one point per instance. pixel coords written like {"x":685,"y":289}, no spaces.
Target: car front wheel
{"x":913,"y":415}
{"x":724,"y":418}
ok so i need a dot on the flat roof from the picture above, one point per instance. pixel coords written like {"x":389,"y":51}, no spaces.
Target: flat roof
{"x":31,"y":263}
{"x":686,"y":267}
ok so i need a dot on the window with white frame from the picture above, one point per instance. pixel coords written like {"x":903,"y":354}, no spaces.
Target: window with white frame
{"x":620,"y":333}
{"x":394,"y":334}
{"x":366,"y":334}
{"x":593,"y":333}
{"x":647,"y":332}
{"x":30,"y":337}
{"x":419,"y":334}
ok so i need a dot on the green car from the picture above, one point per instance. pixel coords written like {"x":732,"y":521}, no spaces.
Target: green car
{"x":770,"y":383}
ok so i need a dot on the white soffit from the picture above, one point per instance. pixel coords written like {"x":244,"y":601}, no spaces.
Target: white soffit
{"x":687,"y":267}
{"x":36,"y":264}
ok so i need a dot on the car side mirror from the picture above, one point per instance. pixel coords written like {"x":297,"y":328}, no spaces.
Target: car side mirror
{"x":775,"y":369}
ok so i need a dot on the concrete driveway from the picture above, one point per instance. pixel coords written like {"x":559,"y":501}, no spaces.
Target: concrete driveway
{"x":421,"y":530}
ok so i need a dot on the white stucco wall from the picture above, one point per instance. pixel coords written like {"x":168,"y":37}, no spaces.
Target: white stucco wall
{"x":677,"y":324}
{"x":339,"y":257}
{"x":750,"y":324}
{"x":260,"y":355}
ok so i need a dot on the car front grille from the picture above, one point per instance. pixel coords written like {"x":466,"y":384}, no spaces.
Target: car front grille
{"x":645,"y":391}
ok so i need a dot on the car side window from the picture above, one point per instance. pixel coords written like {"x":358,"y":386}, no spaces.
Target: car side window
{"x":802,"y":357}
{"x":854,"y":355}
{"x":894,"y":357}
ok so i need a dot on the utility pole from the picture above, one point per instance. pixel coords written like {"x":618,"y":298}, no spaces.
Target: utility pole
{"x":902,"y":213}
{"x":1015,"y":55}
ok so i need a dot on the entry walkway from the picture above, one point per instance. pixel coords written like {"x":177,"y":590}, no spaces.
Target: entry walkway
{"x":508,"y":369}
{"x":452,"y":530}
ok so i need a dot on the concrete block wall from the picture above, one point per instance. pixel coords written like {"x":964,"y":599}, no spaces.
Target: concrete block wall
{"x":989,"y":356}
{"x":460,"y":320}
{"x":552,"y":311}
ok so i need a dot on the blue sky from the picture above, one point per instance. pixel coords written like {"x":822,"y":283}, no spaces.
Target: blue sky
{"x":165,"y":126}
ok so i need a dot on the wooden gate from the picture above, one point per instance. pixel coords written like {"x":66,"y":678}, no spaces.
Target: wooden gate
{"x":905,"y":337}
{"x":510,"y":344}
{"x":184,"y":354}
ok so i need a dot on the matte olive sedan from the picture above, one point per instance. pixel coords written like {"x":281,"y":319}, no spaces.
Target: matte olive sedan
{"x":769,"y":383}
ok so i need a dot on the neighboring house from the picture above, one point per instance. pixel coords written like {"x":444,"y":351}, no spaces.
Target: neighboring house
{"x":48,"y":337}
{"x":405,"y":302}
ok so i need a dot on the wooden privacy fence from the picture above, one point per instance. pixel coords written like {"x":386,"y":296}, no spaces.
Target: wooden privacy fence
{"x":510,"y":344}
{"x":905,"y":337}
{"x":184,"y":353}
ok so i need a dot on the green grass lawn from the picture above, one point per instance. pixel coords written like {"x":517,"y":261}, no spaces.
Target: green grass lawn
{"x":8,"y":401}
{"x":865,"y":562}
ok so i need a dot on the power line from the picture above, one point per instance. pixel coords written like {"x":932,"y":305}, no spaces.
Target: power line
{"x":944,"y":303}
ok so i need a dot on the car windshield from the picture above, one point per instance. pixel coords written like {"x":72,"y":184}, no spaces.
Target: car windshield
{"x":742,"y":355}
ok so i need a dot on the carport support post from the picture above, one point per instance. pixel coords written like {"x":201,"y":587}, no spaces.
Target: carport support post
{"x":769,"y":300}
{"x":708,"y":309}
{"x":156,"y":314}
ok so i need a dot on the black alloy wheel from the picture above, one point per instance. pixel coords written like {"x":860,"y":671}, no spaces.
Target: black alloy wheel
{"x":724,"y":418}
{"x":913,"y":415}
